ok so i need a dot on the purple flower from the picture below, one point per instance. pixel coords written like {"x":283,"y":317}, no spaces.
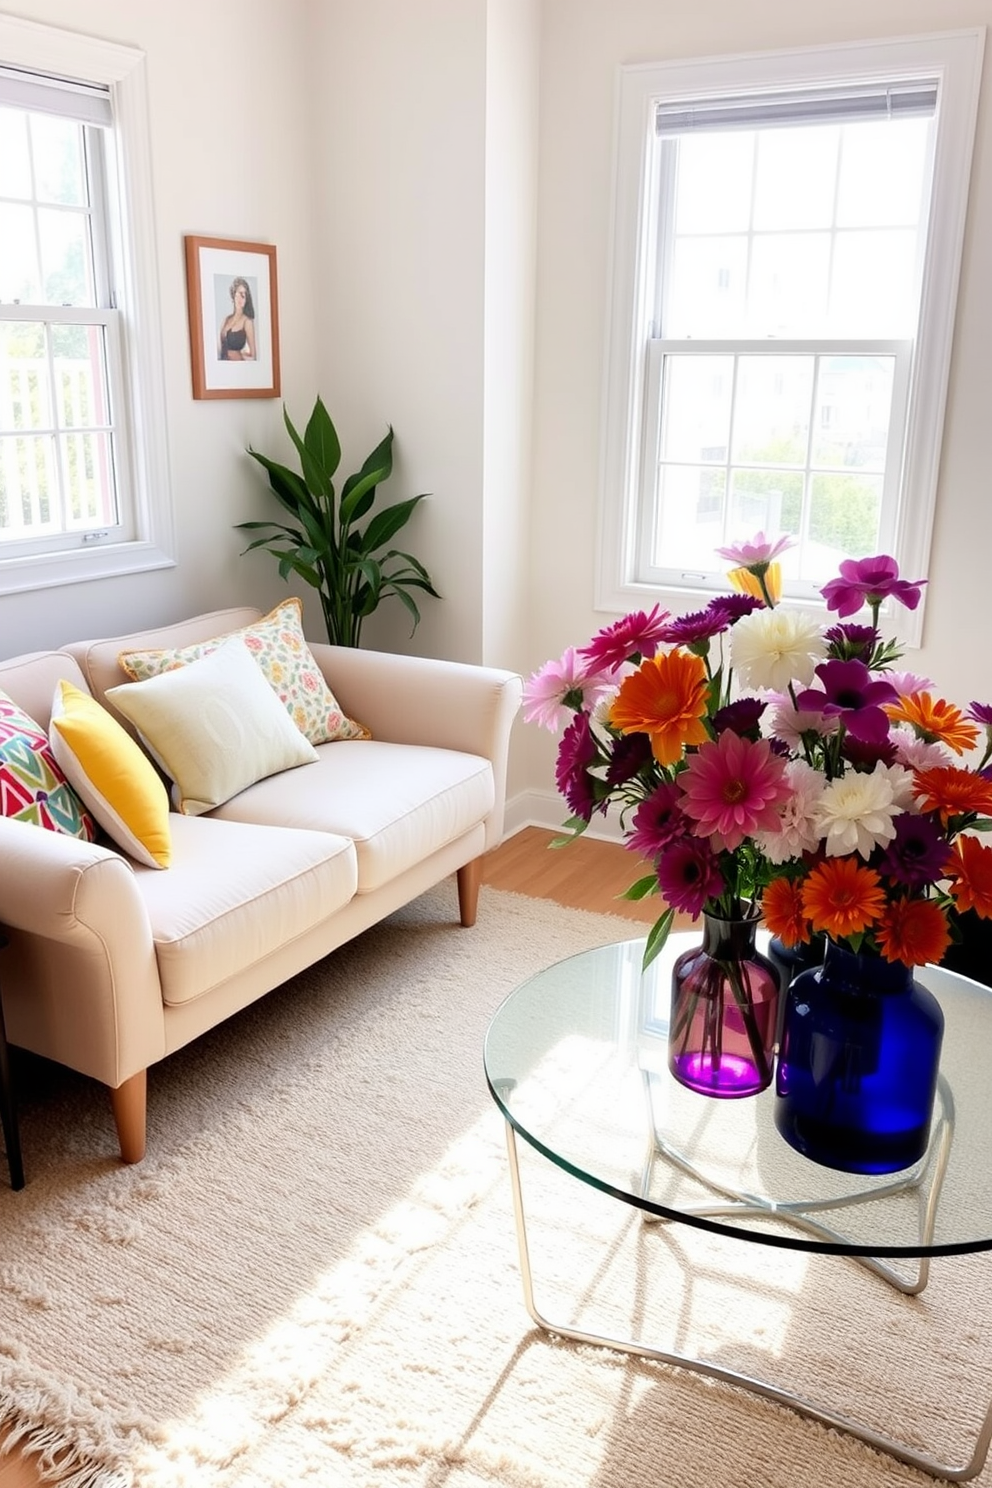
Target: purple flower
{"x":689,"y":874}
{"x":636,"y":634}
{"x":692,"y":630}
{"x":742,"y":717}
{"x":628,"y":756}
{"x":848,"y":693}
{"x":917,"y":854}
{"x":980,"y":713}
{"x":869,"y":581}
{"x":851,"y":642}
{"x":657,"y":821}
{"x":865,"y":756}
{"x":734,"y":606}
{"x":576,"y":752}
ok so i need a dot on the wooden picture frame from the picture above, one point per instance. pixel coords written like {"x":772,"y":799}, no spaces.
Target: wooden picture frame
{"x":233,"y":318}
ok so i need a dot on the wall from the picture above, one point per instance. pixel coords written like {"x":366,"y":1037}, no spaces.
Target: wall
{"x":228,"y":138}
{"x":583,"y":43}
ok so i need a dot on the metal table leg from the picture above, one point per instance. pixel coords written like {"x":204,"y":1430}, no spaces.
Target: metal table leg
{"x":900,"y":1450}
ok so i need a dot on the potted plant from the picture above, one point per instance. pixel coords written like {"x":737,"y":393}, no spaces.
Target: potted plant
{"x":324,"y":541}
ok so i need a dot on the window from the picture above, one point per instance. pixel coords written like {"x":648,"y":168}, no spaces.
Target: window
{"x":83,"y":492}
{"x":787,"y":239}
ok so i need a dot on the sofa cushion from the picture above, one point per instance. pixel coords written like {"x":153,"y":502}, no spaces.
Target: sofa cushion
{"x":115,"y":779}
{"x":32,"y":786}
{"x":279,"y":646}
{"x":397,"y":802}
{"x":237,"y":893}
{"x":215,"y":726}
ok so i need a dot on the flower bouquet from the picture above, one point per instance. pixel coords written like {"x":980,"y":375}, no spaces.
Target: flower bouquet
{"x":766,"y":762}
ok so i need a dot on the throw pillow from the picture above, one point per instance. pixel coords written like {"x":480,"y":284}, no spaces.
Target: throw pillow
{"x":115,"y":779}
{"x":32,"y":787}
{"x":215,"y":726}
{"x":279,"y":646}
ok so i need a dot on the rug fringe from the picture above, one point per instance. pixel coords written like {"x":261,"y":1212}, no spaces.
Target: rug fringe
{"x":55,"y":1457}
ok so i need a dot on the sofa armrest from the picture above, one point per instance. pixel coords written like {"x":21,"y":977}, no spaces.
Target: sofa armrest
{"x":420,"y":700}
{"x":79,"y":977}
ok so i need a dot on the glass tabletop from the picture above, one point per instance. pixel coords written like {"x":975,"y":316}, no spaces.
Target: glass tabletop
{"x":576,"y":1059}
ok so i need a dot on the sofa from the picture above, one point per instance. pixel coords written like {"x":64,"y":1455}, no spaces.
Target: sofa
{"x":113,"y":963}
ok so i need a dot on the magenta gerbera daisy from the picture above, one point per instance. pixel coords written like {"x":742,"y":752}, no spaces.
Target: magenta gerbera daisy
{"x":733,"y":788}
{"x":633,"y":635}
{"x":688,"y":875}
{"x":656,"y":821}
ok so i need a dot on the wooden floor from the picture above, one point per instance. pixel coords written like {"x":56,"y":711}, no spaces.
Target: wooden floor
{"x":582,"y":875}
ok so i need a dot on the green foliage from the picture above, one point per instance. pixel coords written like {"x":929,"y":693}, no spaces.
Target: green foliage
{"x":323,"y":541}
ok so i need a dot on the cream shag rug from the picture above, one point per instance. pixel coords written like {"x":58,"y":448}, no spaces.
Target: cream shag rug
{"x":312,"y":1278}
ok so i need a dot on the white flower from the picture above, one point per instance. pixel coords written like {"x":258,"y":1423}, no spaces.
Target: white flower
{"x":800,"y":829}
{"x":916,"y":753}
{"x":771,"y":648}
{"x":855,"y":812}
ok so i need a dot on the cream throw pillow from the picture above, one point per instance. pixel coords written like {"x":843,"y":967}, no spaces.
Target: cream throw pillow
{"x":215,"y":726}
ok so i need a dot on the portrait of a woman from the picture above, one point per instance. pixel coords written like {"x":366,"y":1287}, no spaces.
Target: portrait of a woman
{"x":236,"y":342}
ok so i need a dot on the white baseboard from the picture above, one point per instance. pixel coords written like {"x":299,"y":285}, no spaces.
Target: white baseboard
{"x":547,"y":809}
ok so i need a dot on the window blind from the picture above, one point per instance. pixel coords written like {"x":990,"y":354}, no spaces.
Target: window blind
{"x":846,"y":105}
{"x":87,"y":103}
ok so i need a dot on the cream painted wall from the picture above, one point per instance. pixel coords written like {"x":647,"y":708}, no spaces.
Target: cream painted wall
{"x":583,"y":43}
{"x":227,"y":101}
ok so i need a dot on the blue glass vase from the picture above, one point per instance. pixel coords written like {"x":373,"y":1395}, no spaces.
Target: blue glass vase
{"x":858,"y":1063}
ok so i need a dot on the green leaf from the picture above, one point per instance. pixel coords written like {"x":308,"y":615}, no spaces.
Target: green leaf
{"x":318,"y":484}
{"x":657,"y":936}
{"x":389,"y":521}
{"x":359,"y":489}
{"x":642,"y":888}
{"x":321,"y":441}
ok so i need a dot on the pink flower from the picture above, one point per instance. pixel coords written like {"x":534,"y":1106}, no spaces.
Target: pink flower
{"x":869,"y":581}
{"x":760,"y":549}
{"x":906,"y":683}
{"x":734,"y":788}
{"x":562,"y":685}
{"x":688,"y":875}
{"x":636,"y":634}
{"x":656,"y":821}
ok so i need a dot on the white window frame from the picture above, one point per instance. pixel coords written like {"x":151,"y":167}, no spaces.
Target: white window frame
{"x":144,"y":487}
{"x":955,"y":60}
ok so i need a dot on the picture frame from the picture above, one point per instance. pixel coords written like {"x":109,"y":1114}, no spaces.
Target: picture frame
{"x":233,"y":304}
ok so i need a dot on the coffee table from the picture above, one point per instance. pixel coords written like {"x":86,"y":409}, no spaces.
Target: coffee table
{"x":576,"y":1060}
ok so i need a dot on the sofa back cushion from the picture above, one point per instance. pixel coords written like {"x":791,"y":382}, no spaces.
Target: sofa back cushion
{"x":31,"y":680}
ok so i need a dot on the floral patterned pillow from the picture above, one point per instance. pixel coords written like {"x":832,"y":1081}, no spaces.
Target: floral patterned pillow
{"x":32,"y":787}
{"x":278,"y":645}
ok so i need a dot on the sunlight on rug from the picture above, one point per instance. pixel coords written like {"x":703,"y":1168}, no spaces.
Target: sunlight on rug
{"x":313,"y":1277}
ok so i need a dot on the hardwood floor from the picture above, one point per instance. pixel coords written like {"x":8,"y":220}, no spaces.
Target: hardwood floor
{"x":583,"y":875}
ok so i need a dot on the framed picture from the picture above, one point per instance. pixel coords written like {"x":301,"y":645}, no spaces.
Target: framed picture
{"x":233,"y":318}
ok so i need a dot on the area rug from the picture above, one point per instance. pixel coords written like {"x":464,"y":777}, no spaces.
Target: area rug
{"x":313,"y":1279}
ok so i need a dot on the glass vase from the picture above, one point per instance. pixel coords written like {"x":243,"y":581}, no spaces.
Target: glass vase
{"x":858,"y":1064}
{"x":724,"y":1003}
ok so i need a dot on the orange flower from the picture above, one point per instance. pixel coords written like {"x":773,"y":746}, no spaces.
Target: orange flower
{"x":782,"y":908}
{"x":913,"y":931}
{"x":842,"y":898}
{"x":952,"y":792}
{"x":665,"y":698}
{"x":935,"y":720}
{"x":744,"y":580}
{"x":970,"y":872}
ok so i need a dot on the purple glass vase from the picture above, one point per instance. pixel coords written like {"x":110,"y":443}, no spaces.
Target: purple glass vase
{"x":725,"y":997}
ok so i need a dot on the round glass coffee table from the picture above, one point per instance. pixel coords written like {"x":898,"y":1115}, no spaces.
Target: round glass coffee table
{"x":576,"y":1060}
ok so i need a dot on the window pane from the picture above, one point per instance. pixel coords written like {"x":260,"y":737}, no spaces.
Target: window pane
{"x":882,"y":173}
{"x":24,"y":392}
{"x":771,"y":416}
{"x":853,"y":409}
{"x":708,"y":291}
{"x":20,"y":279}
{"x":790,"y":280}
{"x":58,"y":162}
{"x":27,"y":486}
{"x":88,"y":474}
{"x":766,"y":501}
{"x":697,"y":397}
{"x":15,"y":162}
{"x":80,"y":375}
{"x":690,"y":517}
{"x":844,"y":514}
{"x":713,"y":189}
{"x":874,"y":283}
{"x":795,"y":181}
{"x":65,"y":258}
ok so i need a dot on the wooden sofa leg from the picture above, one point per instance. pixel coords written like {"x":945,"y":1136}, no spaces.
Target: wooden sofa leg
{"x":129,"y":1102}
{"x":469,"y":879}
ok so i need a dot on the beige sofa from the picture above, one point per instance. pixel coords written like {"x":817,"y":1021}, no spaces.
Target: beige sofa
{"x":111,"y":965}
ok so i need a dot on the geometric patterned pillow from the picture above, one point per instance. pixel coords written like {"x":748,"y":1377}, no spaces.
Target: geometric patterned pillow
{"x":279,"y":646}
{"x":32,"y":787}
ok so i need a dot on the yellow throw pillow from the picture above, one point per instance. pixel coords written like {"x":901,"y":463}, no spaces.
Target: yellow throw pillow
{"x":215,"y":726}
{"x":115,"y":780}
{"x":279,"y":646}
